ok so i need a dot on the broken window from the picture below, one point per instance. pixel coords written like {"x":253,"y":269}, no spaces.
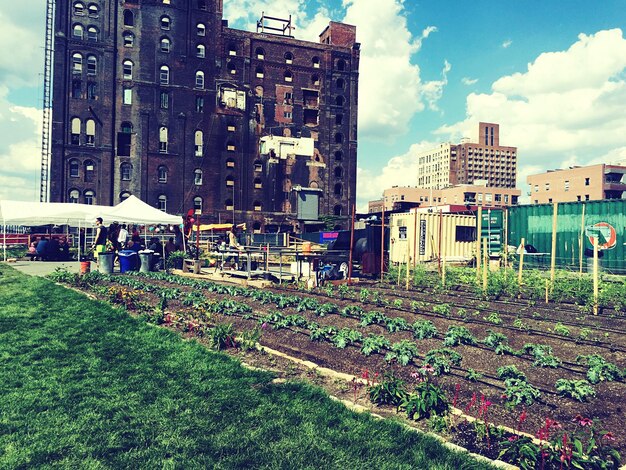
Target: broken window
{"x":228,"y":204}
{"x":163,"y":139}
{"x":338,"y":172}
{"x":288,"y":58}
{"x":94,"y":11}
{"x":129,"y":39}
{"x":127,"y":70}
{"x":77,"y":63}
{"x":92,"y":65}
{"x":230,"y":146}
{"x":339,"y":100}
{"x":232,"y":50}
{"x":200,"y":29}
{"x":232,"y":68}
{"x":123,"y":196}
{"x":164,"y":75}
{"x":341,"y":64}
{"x":90,"y":170}
{"x":232,"y":98}
{"x":311,"y":117}
{"x":257,"y":205}
{"x":75,"y":134}
{"x":230,"y":181}
{"x":164,"y":100}
{"x":74,"y":168}
{"x":288,"y":76}
{"x":124,"y":139}
{"x":316,"y":62}
{"x":165,"y":45}
{"x":259,"y":72}
{"x":92,"y":33}
{"x":77,"y":31}
{"x":162,"y":174}
{"x":258,"y":184}
{"x":129,"y":19}
{"x":258,"y":165}
{"x":79,"y":8}
{"x":311,"y":98}
{"x":126,"y":171}
{"x":338,"y":138}
{"x":197,"y":176}
{"x":230,"y":163}
{"x":199,"y":79}
{"x":90,"y":132}
{"x":337,"y":210}
{"x":231,"y":127}
{"x":76,"y":88}
{"x":200,"y":51}
{"x":73,"y":196}
{"x":166,"y":23}
{"x":315,"y":80}
{"x":199,"y":104}
{"x":198,"y":141}
{"x":287,"y":114}
{"x":197,"y":204}
{"x":260,"y":53}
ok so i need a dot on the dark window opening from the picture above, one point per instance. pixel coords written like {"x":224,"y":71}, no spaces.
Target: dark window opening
{"x":465,"y":234}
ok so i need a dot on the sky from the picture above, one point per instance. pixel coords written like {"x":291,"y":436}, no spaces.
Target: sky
{"x":552,"y":73}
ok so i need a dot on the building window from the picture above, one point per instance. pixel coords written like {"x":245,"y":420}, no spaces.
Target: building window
{"x":288,"y":76}
{"x":338,"y":138}
{"x":162,"y":203}
{"x":73,"y":196}
{"x":259,"y":72}
{"x":92,"y":90}
{"x":339,"y":119}
{"x":287,"y":115}
{"x":129,"y":19}
{"x":76,"y":88}
{"x":231,"y":127}
{"x":258,"y":166}
{"x":77,"y":31}
{"x":165,"y":45}
{"x":94,"y":11}
{"x":586,"y":197}
{"x":163,"y":139}
{"x":339,"y":101}
{"x":124,"y":139}
{"x":536,"y":188}
{"x":230,"y":146}
{"x":315,"y":80}
{"x":260,"y":53}
{"x":579,"y":198}
{"x":566,"y":185}
{"x":197,"y":205}
{"x":339,"y":173}
{"x":74,"y":168}
{"x":341,"y":65}
{"x":230,"y":181}
{"x":498,"y":198}
{"x":199,"y":104}
{"x":232,"y":69}
{"x":230,"y":163}
{"x":232,"y":50}
{"x":164,"y":100}
{"x":128,"y":96}
{"x":201,"y":29}
{"x":90,"y":197}
{"x":340,"y":83}
{"x":547,"y":186}
{"x":288,"y":58}
{"x":198,"y":140}
{"x":76,"y":128}
{"x":202,"y":4}
{"x":587,"y":182}
{"x":338,"y":189}
{"x":164,"y":75}
{"x":200,"y":79}
{"x":316,"y":62}
{"x":79,"y":8}
{"x":90,"y":170}
{"x":337,"y":210}
{"x":92,"y":33}
{"x":258,"y":184}
{"x":77,"y":63}
{"x":123,"y":196}
{"x":200,"y":51}
{"x":162,"y":174}
{"x":90,"y":131}
{"x":338,"y":155}
{"x":92,"y":65}
{"x":228,"y":205}
{"x":126,"y":171}
{"x":257,"y":206}
{"x":127,"y":70}
{"x":166,"y":23}
{"x":197,"y":176}
{"x":129,"y":39}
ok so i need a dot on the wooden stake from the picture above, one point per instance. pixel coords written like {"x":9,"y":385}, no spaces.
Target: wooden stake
{"x":382,"y":245}
{"x":506,"y":239}
{"x":351,"y":246}
{"x":595,"y":275}
{"x":414,"y":238}
{"x":547,"y":289}
{"x":553,"y":258}
{"x":479,"y":241}
{"x":443,"y":273}
{"x":408,"y":272}
{"x":400,"y":268}
{"x":581,"y":241}
{"x":521,"y":263}
{"x":485,"y":263}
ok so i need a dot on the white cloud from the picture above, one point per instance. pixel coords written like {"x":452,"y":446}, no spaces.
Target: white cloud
{"x":469,"y":81}
{"x":506,"y":44}
{"x":566,"y":108}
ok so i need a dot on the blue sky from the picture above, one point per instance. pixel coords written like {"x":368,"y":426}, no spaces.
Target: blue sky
{"x":552,"y":73}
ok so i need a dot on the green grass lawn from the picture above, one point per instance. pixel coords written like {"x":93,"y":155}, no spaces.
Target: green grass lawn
{"x":83,"y":385}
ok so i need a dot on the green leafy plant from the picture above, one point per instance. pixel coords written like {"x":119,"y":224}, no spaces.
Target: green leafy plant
{"x":403,"y":352}
{"x":389,"y":391}
{"x":519,"y":391}
{"x":397,"y":324}
{"x":561,"y":329}
{"x":423,"y":329}
{"x":321,"y":333}
{"x":397,"y":303}
{"x":520,"y":451}
{"x":374,"y":343}
{"x":364,"y":295}
{"x":520,"y":325}
{"x":599,"y":369}
{"x":374,"y":317}
{"x":250,"y":338}
{"x":505,"y":349}
{"x":442,"y":309}
{"x":222,"y":336}
{"x":495,"y":339}
{"x":442,"y":360}
{"x":493,"y":318}
{"x":346,"y":336}
{"x":325,"y":309}
{"x":510,"y":372}
{"x":579,"y":390}
{"x":344,"y":291}
{"x":584,"y":334}
{"x":427,"y":400}
{"x":472,"y":375}
{"x":458,"y":335}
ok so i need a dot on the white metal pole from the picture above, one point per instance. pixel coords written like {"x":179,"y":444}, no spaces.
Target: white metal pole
{"x":4,"y":225}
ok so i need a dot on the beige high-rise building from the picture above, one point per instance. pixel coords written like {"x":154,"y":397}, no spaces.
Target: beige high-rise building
{"x":468,"y":162}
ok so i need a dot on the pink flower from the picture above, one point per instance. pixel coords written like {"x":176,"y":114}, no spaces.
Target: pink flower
{"x":513,"y":438}
{"x":609,"y":436}
{"x":264,"y":326}
{"x":583,"y":421}
{"x":428,"y":368}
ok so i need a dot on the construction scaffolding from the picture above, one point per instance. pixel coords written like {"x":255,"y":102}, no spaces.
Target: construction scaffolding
{"x":47,"y":104}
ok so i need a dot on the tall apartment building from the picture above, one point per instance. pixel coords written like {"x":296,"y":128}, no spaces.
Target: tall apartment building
{"x":467,"y":162}
{"x":578,"y":183}
{"x":161,"y":99}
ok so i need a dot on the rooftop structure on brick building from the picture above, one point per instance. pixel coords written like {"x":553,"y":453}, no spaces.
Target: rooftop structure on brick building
{"x":164,"y":101}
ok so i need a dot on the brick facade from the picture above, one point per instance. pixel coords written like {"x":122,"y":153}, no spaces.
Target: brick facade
{"x":170,"y":104}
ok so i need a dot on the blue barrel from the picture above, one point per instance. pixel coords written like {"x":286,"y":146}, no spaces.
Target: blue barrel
{"x":128,"y":260}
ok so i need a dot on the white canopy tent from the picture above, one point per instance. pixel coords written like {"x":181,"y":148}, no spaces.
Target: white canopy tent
{"x":79,"y":215}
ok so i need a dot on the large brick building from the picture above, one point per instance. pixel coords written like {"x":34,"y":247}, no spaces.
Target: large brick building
{"x":161,"y":99}
{"x":468,"y":162}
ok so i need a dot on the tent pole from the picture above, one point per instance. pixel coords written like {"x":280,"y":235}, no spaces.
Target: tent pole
{"x":4,"y":225}
{"x":79,"y":242}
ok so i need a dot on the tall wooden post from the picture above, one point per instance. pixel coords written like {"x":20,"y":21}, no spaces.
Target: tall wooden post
{"x":553,"y":258}
{"x":351,"y":246}
{"x":595,"y":275}
{"x":521,"y":262}
{"x":440,"y":237}
{"x":408,"y":272}
{"x":581,"y":241}
{"x":506,"y":239}
{"x":414,"y":238}
{"x":485,"y":263}
{"x":479,"y":241}
{"x":382,"y":244}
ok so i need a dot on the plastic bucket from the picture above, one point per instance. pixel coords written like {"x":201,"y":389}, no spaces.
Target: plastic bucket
{"x":105,"y":262}
{"x":128,"y":260}
{"x":306,"y":247}
{"x":85,"y":267}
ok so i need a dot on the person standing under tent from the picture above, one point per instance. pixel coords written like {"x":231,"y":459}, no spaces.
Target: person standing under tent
{"x":100,"y":240}
{"x":233,"y":246}
{"x":122,"y":237}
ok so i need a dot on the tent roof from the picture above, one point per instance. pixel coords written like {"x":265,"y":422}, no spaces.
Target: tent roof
{"x":44,"y":213}
{"x":135,"y":210}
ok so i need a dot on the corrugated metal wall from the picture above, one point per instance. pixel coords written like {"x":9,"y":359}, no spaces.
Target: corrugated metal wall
{"x":534,"y":223}
{"x":426,"y":227}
